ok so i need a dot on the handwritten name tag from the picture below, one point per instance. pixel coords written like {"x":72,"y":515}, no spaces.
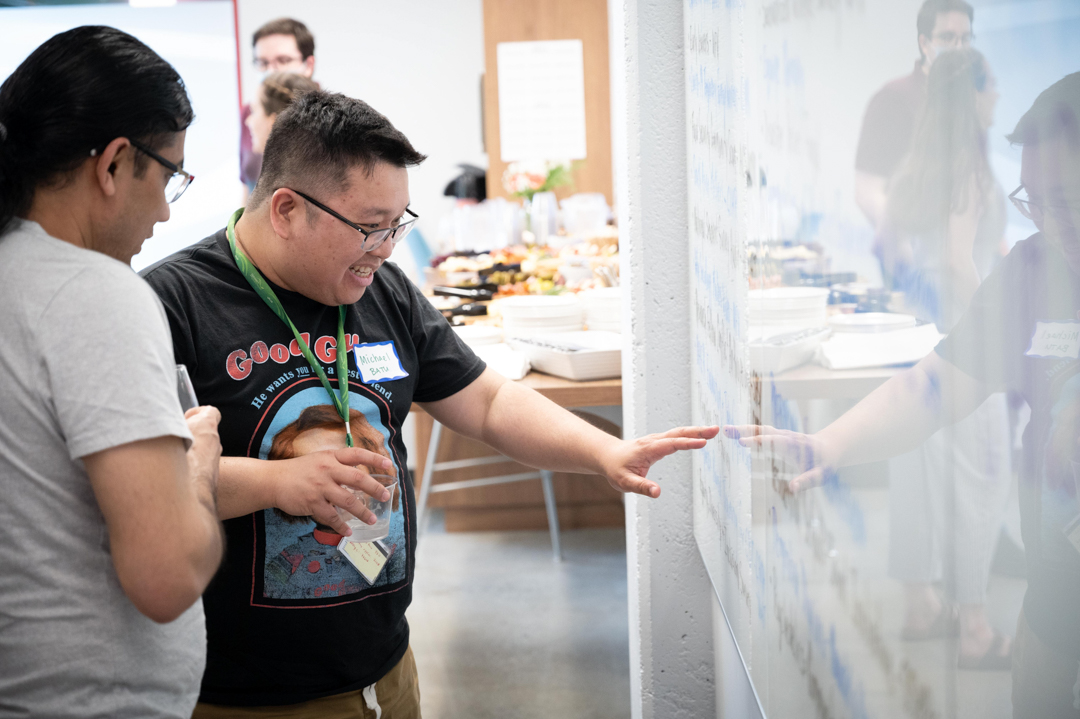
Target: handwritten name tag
{"x":378,"y":362}
{"x":369,"y":558}
{"x":1055,"y":340}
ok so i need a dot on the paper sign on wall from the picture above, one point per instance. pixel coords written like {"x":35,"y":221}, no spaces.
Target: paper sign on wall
{"x":541,"y":100}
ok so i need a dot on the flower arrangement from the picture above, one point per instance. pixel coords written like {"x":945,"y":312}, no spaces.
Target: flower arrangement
{"x":525,"y":179}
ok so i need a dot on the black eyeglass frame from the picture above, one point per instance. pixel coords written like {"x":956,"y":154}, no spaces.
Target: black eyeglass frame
{"x":389,"y":232}
{"x":176,"y":169}
{"x":1025,"y":206}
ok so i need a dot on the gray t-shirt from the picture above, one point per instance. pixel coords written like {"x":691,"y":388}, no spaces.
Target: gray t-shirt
{"x":86,"y":364}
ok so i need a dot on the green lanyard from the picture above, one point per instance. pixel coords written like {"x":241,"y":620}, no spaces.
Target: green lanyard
{"x":262,"y":289}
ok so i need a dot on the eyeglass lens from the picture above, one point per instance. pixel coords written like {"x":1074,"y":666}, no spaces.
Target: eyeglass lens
{"x":176,"y":185}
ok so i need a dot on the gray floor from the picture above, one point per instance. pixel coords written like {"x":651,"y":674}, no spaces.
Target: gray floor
{"x":500,"y":630}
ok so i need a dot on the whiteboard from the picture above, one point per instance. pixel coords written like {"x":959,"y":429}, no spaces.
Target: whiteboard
{"x":775,"y":96}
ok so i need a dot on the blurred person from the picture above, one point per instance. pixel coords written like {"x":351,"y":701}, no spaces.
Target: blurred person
{"x":894,"y":110}
{"x":1021,"y":331}
{"x":949,"y":495}
{"x":281,"y":45}
{"x":277,"y":91}
{"x":108,"y":521}
{"x":271,"y":311}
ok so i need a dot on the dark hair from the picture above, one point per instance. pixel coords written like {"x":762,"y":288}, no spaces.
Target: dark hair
{"x":1055,"y":113}
{"x":77,"y":92}
{"x":320,"y":137}
{"x":932,"y":8}
{"x":305,"y":41}
{"x":948,"y":148}
{"x":281,"y":89}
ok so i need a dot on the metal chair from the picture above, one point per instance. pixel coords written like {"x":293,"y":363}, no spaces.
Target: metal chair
{"x":431,"y":467}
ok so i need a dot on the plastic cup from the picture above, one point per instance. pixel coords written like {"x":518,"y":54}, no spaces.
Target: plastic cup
{"x":361,"y":530}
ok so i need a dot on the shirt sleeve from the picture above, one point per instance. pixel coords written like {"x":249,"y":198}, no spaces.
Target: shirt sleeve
{"x":109,"y":361}
{"x":447,"y":364}
{"x":886,"y":134}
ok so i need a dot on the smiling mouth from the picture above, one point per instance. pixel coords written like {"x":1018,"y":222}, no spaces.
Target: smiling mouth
{"x":362,"y":271}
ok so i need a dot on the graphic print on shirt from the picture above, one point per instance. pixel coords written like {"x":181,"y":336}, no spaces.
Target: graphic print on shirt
{"x":298,"y":559}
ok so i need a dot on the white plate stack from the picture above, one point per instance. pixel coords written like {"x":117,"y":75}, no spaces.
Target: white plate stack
{"x":579,"y":356}
{"x":529,"y":315}
{"x":479,"y":335}
{"x":871,"y":322}
{"x":603,"y":309}
{"x":793,"y":307}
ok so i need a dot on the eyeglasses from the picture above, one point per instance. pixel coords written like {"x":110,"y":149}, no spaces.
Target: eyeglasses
{"x":952,"y":39}
{"x":276,"y":63}
{"x":1030,"y":209}
{"x":177,"y":182}
{"x":373,"y":239}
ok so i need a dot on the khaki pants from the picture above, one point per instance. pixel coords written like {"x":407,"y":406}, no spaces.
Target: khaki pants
{"x":1042,"y":678}
{"x":398,"y":696}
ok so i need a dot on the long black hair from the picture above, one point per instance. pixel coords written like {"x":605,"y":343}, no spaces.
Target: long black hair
{"x":76,"y":93}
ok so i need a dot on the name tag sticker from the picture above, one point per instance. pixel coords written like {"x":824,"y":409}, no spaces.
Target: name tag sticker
{"x":369,"y":558}
{"x":379,"y":362}
{"x":1053,"y":340}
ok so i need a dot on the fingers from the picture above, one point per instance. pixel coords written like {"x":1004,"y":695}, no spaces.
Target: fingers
{"x":353,"y":456}
{"x":704,"y":433}
{"x":358,"y":479}
{"x":638,"y":485}
{"x":349,"y":502}
{"x":328,"y":515}
{"x":809,"y":479}
{"x":743,"y":431}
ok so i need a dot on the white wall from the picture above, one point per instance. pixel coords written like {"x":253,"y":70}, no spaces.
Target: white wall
{"x":197,"y":39}
{"x":418,"y":62}
{"x":671,"y":656}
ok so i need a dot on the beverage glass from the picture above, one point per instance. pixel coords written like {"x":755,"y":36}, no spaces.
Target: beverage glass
{"x":361,"y":530}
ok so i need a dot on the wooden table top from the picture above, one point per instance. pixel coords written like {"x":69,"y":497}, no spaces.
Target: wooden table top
{"x":568,"y":393}
{"x":812,"y":381}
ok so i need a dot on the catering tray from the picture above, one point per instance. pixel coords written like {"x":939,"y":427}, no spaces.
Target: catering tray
{"x":581,"y":356}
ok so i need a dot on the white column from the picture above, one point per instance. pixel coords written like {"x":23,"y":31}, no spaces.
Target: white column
{"x":671,"y":655}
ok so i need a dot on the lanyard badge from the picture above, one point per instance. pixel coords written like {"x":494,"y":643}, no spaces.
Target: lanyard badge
{"x":258,"y":283}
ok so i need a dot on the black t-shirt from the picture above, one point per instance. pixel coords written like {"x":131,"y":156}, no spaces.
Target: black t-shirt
{"x":1022,"y":332}
{"x":889,"y":124}
{"x":288,"y":618}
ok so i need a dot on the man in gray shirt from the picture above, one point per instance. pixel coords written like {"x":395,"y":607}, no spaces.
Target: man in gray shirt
{"x":108,"y":511}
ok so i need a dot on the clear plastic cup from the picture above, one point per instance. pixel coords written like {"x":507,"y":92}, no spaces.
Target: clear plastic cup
{"x":361,"y":530}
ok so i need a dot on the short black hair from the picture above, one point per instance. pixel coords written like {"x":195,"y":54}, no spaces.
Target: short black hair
{"x":305,"y":41}
{"x":1055,"y":113}
{"x":323,"y":135}
{"x":930,"y":9}
{"x":77,"y":92}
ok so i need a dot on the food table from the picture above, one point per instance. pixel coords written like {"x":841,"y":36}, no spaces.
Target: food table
{"x":583,"y":501}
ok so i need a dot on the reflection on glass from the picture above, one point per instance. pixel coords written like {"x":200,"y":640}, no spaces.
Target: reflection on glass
{"x":893,"y":524}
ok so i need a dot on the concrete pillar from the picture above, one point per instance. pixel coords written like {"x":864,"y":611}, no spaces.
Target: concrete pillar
{"x":670,"y":603}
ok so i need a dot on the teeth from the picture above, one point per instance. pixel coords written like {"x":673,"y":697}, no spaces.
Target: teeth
{"x":361,"y":271}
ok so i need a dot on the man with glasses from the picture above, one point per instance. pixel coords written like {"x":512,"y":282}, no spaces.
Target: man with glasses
{"x":109,"y":519}
{"x":1021,"y":333}
{"x":271,"y":314}
{"x":890,"y":118}
{"x":281,"y":45}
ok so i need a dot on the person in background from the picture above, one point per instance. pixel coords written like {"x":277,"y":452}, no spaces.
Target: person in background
{"x":949,"y":495}
{"x":282,"y":45}
{"x":292,"y":303}
{"x":277,"y":91}
{"x":108,"y":519}
{"x":1019,"y":332}
{"x":893,"y":111}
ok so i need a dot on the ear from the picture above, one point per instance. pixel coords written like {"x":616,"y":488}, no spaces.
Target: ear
{"x":287,"y":211}
{"x":108,"y":161}
{"x":926,"y":47}
{"x":309,"y":66}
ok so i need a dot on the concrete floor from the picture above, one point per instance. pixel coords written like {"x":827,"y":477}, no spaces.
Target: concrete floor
{"x":500,"y":630}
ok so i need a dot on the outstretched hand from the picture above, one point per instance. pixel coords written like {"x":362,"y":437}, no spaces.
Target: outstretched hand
{"x":805,"y":452}
{"x":627,"y":466}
